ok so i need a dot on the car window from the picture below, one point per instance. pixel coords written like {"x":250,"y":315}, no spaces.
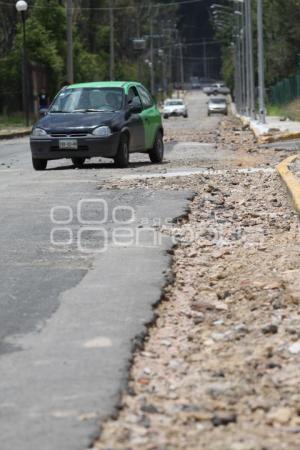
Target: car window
{"x":133,"y":96}
{"x":82,"y":99}
{"x":174,"y":102}
{"x":218,"y":100}
{"x":145,"y":97}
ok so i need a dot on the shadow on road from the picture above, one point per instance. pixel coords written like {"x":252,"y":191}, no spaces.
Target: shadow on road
{"x":89,"y":166}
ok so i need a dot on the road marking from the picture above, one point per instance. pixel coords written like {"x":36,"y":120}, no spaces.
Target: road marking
{"x":200,"y":171}
{"x":99,"y":342}
{"x":11,"y":170}
{"x":179,"y":173}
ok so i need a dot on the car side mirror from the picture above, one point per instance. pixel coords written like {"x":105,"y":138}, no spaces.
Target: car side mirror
{"x":43,"y":112}
{"x":135,"y":108}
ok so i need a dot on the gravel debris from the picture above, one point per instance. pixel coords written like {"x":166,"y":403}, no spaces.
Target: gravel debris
{"x":219,"y":369}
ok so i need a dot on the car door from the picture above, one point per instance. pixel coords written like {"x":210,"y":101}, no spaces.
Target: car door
{"x":135,"y":122}
{"x":150,"y":115}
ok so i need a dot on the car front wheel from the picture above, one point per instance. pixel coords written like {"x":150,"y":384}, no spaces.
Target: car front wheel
{"x":39,"y":164}
{"x":156,"y":154}
{"x":122,"y":157}
{"x":78,"y":162}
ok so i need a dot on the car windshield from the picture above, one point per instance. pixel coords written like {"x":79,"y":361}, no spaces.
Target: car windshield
{"x":174,"y":102}
{"x":218,"y":100}
{"x":88,"y":99}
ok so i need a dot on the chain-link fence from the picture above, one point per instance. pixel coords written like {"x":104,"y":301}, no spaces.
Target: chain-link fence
{"x":286,"y":90}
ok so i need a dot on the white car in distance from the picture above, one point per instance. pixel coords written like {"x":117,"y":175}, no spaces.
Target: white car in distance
{"x":174,"y":107}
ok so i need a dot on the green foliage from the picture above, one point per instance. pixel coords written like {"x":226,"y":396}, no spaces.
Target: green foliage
{"x":88,"y":66}
{"x":46,"y":41}
{"x":281,"y":38}
{"x":228,"y":67}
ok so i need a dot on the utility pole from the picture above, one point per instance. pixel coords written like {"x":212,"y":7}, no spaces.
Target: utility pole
{"x":251,"y":86}
{"x":237,"y":64}
{"x":247,"y":59}
{"x":152,"y":81}
{"x":244,"y":62}
{"x":70,"y":70}
{"x":170,"y":63}
{"x":261,"y":65}
{"x":181,"y":66}
{"x":204,"y":58}
{"x":139,"y":65}
{"x":241,"y":67}
{"x":164,"y":72}
{"x":111,"y":42}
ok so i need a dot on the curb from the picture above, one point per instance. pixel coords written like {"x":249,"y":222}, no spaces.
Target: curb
{"x":290,"y":180}
{"x":15,"y":134}
{"x":268,"y":138}
{"x":288,"y":136}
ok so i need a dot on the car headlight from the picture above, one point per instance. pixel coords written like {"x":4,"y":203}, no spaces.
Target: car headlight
{"x":38,"y":132}
{"x":102,"y":131}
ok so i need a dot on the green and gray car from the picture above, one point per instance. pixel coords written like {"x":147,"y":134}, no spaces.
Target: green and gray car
{"x":107,"y":119}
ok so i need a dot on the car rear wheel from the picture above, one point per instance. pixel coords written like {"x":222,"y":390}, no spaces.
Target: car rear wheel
{"x":39,"y":164}
{"x":78,"y":162}
{"x":156,"y":154}
{"x":166,"y":116}
{"x":122,"y":157}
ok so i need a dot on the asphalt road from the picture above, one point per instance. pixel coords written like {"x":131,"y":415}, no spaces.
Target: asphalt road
{"x":81,"y":269}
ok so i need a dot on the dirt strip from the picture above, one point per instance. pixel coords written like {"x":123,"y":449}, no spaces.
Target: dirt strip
{"x":220,"y":367}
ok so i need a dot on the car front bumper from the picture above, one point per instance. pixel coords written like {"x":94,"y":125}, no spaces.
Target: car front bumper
{"x":218,"y":111}
{"x":89,"y":146}
{"x":175,"y":113}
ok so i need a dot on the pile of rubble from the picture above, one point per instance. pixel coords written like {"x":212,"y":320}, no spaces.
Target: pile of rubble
{"x":219,"y":369}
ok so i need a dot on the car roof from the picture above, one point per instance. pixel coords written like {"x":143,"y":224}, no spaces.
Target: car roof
{"x":104,"y":84}
{"x":217,"y":98}
{"x":174,"y":100}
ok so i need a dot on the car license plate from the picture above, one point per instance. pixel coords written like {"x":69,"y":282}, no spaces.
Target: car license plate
{"x":70,"y":144}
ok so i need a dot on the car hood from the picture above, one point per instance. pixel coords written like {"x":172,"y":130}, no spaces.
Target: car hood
{"x":88,"y":121}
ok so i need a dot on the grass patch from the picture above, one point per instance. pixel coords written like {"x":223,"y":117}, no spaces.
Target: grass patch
{"x":276,"y":110}
{"x":14,"y":121}
{"x":291,"y":110}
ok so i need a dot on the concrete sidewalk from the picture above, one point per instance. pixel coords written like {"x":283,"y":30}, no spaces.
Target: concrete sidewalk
{"x":14,"y":132}
{"x":275,"y":129}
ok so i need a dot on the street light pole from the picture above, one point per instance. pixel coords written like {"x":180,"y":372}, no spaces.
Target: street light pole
{"x":21,"y":7}
{"x":261,"y":68}
{"x":70,"y":69}
{"x":111,"y":42}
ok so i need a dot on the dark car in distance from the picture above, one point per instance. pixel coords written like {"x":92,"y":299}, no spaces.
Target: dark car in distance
{"x":107,"y":119}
